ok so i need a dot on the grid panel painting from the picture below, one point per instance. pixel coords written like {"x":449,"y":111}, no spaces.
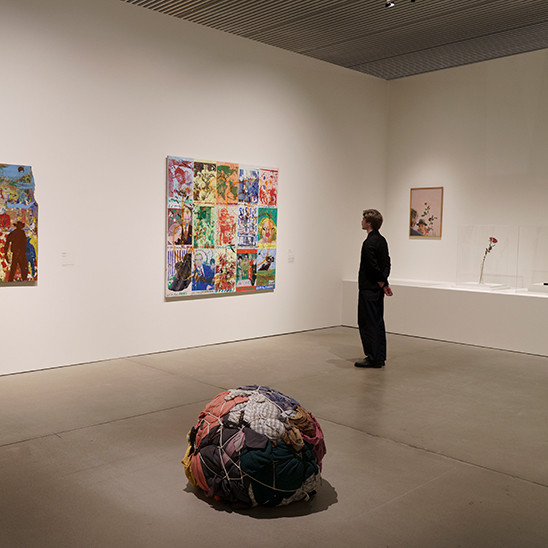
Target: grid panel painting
{"x":221,"y":227}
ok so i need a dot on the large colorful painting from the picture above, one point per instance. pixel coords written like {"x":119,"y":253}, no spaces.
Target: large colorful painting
{"x":222,"y":226}
{"x":18,"y":225}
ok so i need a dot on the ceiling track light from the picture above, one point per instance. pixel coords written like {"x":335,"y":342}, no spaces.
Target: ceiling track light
{"x":390,"y":4}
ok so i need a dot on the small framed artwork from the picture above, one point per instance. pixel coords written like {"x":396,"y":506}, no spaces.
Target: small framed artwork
{"x":425,"y":214}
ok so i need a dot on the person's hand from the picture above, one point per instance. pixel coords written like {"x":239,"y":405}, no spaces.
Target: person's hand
{"x":387,"y":291}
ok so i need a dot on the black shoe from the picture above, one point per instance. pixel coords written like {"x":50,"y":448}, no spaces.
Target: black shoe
{"x":368,"y":363}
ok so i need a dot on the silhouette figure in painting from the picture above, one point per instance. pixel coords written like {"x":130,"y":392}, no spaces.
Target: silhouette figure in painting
{"x":17,"y":240}
{"x":183,"y":275}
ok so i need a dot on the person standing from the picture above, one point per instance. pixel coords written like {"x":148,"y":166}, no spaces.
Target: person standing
{"x":373,"y":286}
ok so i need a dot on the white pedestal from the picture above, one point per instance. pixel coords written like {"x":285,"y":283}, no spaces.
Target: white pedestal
{"x":503,"y":320}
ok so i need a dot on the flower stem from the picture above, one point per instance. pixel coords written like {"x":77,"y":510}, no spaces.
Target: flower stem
{"x":482,"y":265}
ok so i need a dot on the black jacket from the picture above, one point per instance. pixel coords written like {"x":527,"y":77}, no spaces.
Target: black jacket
{"x":375,"y":262}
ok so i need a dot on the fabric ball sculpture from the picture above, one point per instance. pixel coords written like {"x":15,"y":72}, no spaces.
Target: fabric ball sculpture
{"x":253,"y":445}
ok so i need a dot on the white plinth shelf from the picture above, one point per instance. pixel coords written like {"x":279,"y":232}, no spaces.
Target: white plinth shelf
{"x":505,"y":319}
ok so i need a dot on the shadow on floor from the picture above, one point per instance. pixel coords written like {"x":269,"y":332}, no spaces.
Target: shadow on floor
{"x":320,"y":502}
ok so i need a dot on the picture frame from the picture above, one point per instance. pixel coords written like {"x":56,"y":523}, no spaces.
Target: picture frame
{"x":426,"y":212}
{"x":18,"y":225}
{"x":222,"y":226}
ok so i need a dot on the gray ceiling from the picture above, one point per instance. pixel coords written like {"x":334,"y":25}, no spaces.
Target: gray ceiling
{"x":413,"y":37}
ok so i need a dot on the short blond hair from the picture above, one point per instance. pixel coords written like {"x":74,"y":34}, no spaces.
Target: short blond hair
{"x":373,"y":217}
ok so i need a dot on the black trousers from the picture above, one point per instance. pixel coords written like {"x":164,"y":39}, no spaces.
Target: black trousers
{"x":371,"y":324}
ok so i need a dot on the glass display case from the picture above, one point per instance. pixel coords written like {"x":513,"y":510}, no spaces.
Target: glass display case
{"x":532,"y":267}
{"x":484,"y":258}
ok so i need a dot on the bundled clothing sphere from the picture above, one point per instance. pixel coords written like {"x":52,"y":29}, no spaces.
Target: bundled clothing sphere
{"x":254,"y":445}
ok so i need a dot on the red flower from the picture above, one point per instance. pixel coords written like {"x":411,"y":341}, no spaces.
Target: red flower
{"x":493,"y":240}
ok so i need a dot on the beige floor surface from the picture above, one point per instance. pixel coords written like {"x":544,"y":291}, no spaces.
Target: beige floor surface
{"x":447,"y":446}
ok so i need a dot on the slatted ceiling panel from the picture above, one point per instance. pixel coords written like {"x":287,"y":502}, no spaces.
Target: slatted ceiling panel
{"x":410,"y":38}
{"x":348,"y":22}
{"x":266,"y":15}
{"x":458,"y":53}
{"x":318,"y":13}
{"x":221,"y":14}
{"x":454,"y":55}
{"x":320,"y":32}
{"x":450,"y":31}
{"x":453,"y":27}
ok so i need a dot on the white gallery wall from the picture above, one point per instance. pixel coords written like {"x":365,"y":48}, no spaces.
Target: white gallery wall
{"x":94,"y":96}
{"x":481,"y":132}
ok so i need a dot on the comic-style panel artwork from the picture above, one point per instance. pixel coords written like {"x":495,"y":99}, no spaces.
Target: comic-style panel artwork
{"x":220,"y":239}
{"x":225,"y":269}
{"x":180,"y":176}
{"x":179,"y":226}
{"x":203,"y":272}
{"x":179,"y":270}
{"x":266,"y":268}
{"x":18,"y":224}
{"x":227,"y":183}
{"x":246,"y":273}
{"x":226,"y":226}
{"x":203,"y":221}
{"x":267,"y":230}
{"x":205,"y":183}
{"x":268,"y":187}
{"x":174,"y":225}
{"x":185,"y":237}
{"x":247,"y":226}
{"x":248,"y":185}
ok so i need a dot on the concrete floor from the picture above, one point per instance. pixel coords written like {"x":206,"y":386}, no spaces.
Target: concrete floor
{"x":445,"y":447}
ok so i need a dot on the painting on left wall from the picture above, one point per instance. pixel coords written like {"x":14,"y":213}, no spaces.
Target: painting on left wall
{"x":18,"y":225}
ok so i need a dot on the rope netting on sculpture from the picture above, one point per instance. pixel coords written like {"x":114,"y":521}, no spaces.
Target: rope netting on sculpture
{"x":254,"y":445}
